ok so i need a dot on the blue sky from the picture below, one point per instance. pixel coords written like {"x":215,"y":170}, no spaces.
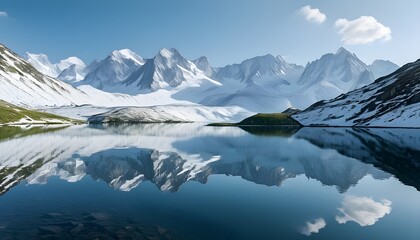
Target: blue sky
{"x":226,"y":31}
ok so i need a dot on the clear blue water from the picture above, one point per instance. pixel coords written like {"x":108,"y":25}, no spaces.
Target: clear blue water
{"x":189,"y":181}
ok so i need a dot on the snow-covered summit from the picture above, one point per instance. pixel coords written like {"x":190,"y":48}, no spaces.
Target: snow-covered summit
{"x":114,"y":69}
{"x":120,"y":55}
{"x":260,"y":68}
{"x":203,"y":64}
{"x":167,"y":70}
{"x":343,"y":69}
{"x":330,"y":76}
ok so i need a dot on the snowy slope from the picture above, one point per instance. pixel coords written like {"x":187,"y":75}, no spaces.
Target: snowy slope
{"x":22,"y":84}
{"x":391,"y":101}
{"x":172,"y":113}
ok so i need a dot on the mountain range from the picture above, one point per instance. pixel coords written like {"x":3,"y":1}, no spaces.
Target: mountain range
{"x":180,"y":86}
{"x":261,"y":84}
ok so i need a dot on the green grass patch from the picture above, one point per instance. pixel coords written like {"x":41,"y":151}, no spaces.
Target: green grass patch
{"x":10,"y":113}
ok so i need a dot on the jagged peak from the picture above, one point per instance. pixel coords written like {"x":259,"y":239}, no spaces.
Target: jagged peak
{"x":267,"y":56}
{"x":124,"y":51}
{"x":342,"y":50}
{"x":169,"y":52}
{"x":126,"y":54}
{"x":382,"y":61}
{"x":38,"y":56}
{"x":201,"y":59}
{"x":280,"y":58}
{"x":263,"y":58}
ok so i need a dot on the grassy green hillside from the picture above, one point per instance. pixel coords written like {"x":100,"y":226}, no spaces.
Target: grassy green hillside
{"x":264,"y":119}
{"x":11,"y":113}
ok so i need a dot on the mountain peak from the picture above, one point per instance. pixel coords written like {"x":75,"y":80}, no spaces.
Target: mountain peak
{"x":280,"y":59}
{"x":342,"y":50}
{"x":342,"y":71}
{"x":381,"y":67}
{"x":165,"y":70}
{"x":203,"y":64}
{"x":201,"y":59}
{"x":168,"y":52}
{"x":39,"y":58}
{"x":71,"y":61}
{"x":126,"y":54}
{"x":381,"y":61}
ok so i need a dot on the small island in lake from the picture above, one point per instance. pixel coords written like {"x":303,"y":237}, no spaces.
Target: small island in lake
{"x":263,"y":119}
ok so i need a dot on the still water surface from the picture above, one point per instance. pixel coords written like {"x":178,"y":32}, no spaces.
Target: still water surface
{"x":187,"y":181}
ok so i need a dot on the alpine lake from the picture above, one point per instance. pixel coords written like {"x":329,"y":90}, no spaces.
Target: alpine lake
{"x":190,"y":181}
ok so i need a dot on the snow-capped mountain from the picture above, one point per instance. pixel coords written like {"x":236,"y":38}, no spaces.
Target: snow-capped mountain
{"x":391,"y":101}
{"x":330,"y":76}
{"x":21,"y":84}
{"x":261,"y":84}
{"x":76,"y":73}
{"x":41,"y":63}
{"x":72,"y":74}
{"x":167,"y":70}
{"x":115,"y":68}
{"x":267,"y":84}
{"x":381,"y":68}
{"x":259,"y":70}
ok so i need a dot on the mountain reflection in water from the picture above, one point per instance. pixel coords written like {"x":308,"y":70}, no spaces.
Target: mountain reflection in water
{"x":170,"y":155}
{"x":259,"y":183}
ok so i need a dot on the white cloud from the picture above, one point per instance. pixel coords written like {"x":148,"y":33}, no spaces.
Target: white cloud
{"x":362,"y":210}
{"x":363,"y":30}
{"x":3,"y":14}
{"x":313,"y":14}
{"x":313,"y":226}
